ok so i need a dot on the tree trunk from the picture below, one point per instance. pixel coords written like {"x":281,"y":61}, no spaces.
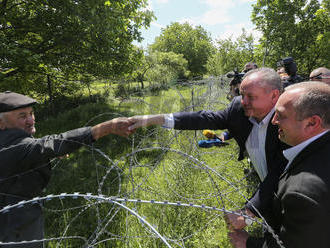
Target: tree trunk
{"x":50,"y":94}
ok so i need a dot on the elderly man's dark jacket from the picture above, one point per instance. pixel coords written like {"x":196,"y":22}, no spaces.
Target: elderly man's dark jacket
{"x":239,"y":126}
{"x":300,"y":213}
{"x":25,"y":171}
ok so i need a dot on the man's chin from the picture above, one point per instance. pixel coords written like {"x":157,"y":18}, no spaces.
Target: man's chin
{"x":30,"y":130}
{"x":248,"y":112}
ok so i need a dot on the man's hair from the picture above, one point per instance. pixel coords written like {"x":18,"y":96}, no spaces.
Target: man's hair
{"x":319,"y":71}
{"x":315,"y":100}
{"x":269,"y":78}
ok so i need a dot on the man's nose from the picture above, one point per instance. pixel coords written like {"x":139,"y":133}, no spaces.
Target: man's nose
{"x":30,"y":119}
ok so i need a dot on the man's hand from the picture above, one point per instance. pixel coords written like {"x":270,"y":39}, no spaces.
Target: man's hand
{"x":118,"y":126}
{"x":145,"y":121}
{"x":237,"y":221}
{"x":238,"y":238}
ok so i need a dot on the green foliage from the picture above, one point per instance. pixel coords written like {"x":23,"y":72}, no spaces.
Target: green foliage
{"x":231,"y":54}
{"x":193,"y":43}
{"x":166,"y":67}
{"x":160,"y":69}
{"x":297,"y":28}
{"x":67,"y":38}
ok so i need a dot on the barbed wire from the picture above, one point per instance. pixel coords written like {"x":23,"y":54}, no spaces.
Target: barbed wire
{"x":155,"y":155}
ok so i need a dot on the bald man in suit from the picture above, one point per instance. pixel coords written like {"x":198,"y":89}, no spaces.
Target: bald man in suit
{"x":300,"y":210}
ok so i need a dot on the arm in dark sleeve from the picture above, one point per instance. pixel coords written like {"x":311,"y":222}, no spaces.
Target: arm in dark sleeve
{"x":51,"y":146}
{"x":305,"y":221}
{"x":305,"y":224}
{"x":263,"y":196}
{"x":254,"y":242}
{"x":205,"y":119}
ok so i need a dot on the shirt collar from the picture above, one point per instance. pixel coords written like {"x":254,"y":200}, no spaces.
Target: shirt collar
{"x":292,"y":152}
{"x":265,"y":120}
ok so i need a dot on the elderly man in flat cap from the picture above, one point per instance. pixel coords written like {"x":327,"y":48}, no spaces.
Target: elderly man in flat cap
{"x":24,"y":164}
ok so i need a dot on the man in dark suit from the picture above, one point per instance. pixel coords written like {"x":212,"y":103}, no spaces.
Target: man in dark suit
{"x":247,"y":118}
{"x":300,"y":211}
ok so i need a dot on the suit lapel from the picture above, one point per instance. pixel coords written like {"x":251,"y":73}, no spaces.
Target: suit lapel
{"x":271,"y":141}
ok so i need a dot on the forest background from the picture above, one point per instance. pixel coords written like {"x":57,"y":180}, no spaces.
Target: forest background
{"x":77,"y":58}
{"x":50,"y":49}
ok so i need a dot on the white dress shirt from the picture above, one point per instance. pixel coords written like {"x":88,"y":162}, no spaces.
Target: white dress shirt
{"x":255,"y":144}
{"x":168,"y":121}
{"x":292,"y":152}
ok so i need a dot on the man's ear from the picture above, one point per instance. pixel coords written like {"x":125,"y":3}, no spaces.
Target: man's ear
{"x":313,"y":123}
{"x":275,"y":95}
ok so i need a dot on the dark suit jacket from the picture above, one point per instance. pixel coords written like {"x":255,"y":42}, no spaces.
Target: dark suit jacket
{"x":233,"y":118}
{"x":300,"y":212}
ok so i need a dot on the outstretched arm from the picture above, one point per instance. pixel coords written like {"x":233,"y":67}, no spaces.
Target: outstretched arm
{"x":118,"y":126}
{"x":145,"y":121}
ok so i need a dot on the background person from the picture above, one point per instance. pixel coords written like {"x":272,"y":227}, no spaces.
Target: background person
{"x":247,"y":118}
{"x":291,"y":69}
{"x":249,"y":66}
{"x":321,"y":74}
{"x":300,"y":212}
{"x":25,"y":169}
{"x":235,"y":83}
{"x":283,"y":75}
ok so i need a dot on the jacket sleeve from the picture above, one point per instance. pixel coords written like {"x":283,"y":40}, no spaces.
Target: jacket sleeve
{"x":262,"y":198}
{"x":204,"y":119}
{"x":52,"y":146}
{"x":254,"y":242}
{"x":306,"y":221}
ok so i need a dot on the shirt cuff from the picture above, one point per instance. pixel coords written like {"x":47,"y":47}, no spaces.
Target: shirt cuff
{"x":168,"y":121}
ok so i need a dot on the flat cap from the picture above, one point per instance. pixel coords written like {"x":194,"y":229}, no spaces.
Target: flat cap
{"x":10,"y":101}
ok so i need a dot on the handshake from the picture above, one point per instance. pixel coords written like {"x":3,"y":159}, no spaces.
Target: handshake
{"x":124,"y":126}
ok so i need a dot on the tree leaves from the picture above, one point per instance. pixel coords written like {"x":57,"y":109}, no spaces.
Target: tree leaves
{"x":232,"y":54}
{"x":70,"y":37}
{"x":294,"y":28}
{"x":193,"y":43}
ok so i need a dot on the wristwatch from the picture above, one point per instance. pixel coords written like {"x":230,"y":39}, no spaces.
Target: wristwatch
{"x":248,"y":221}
